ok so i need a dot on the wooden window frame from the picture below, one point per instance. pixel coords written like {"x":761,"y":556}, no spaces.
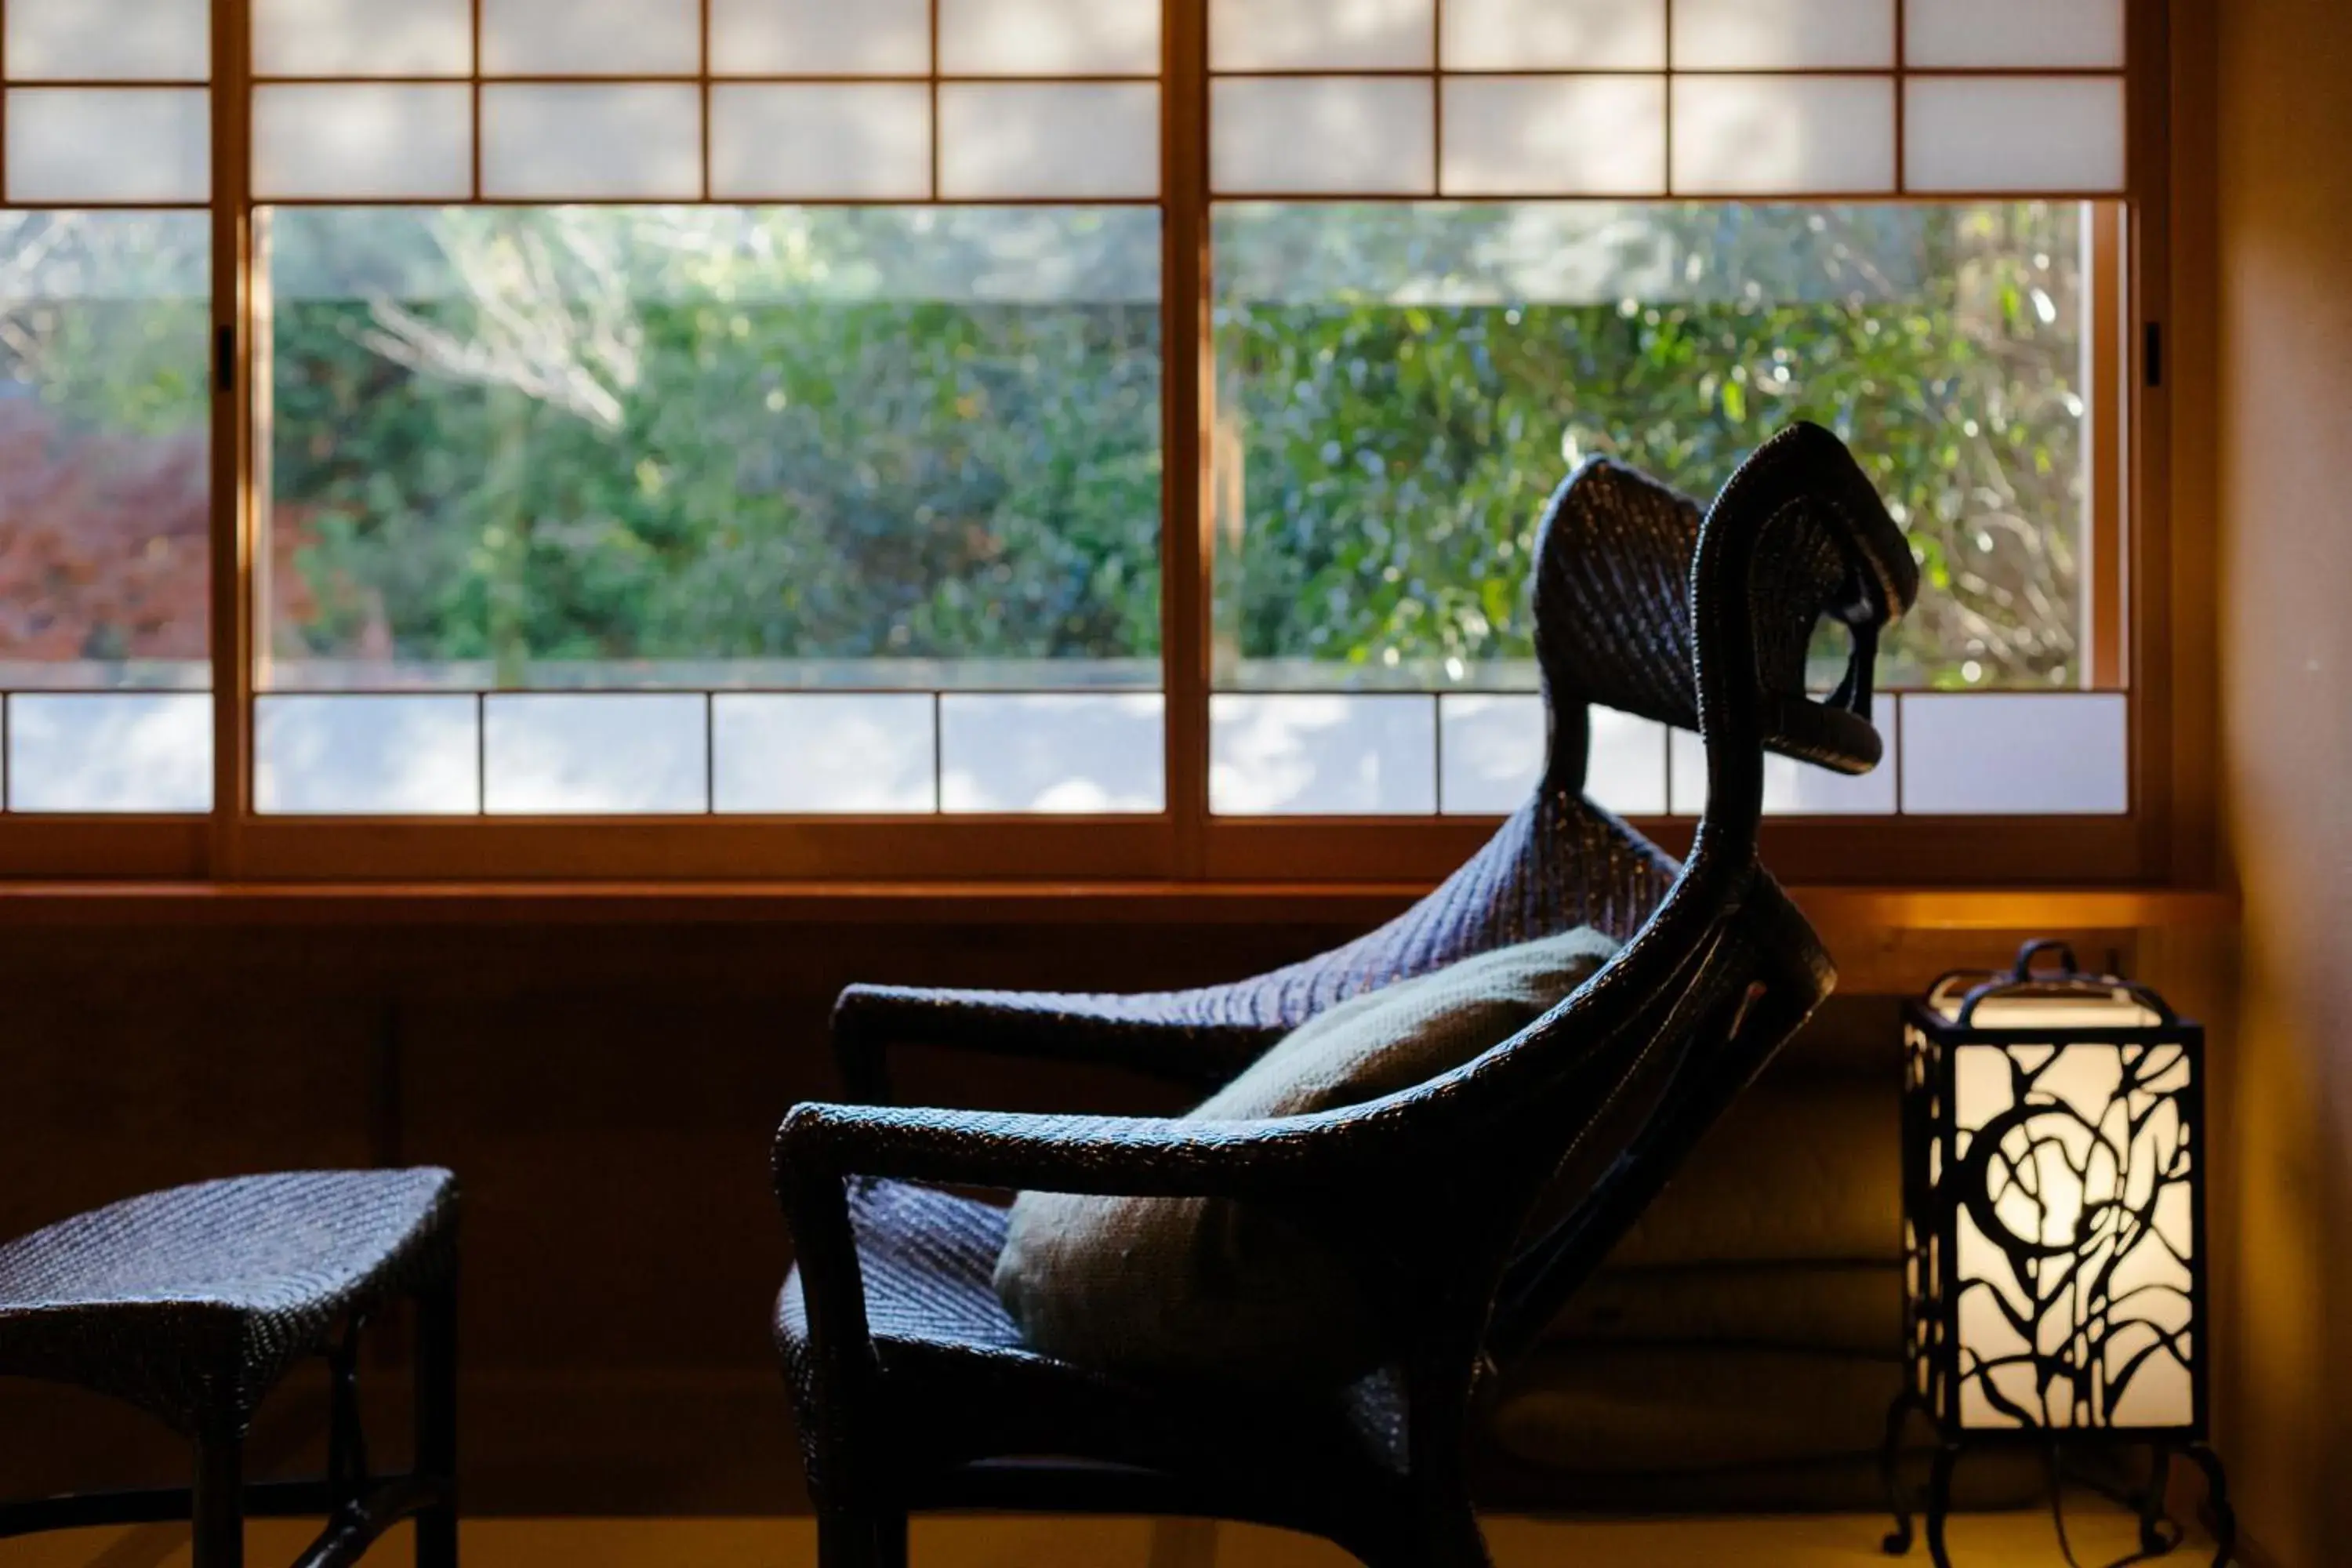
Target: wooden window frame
{"x":2135,"y":560}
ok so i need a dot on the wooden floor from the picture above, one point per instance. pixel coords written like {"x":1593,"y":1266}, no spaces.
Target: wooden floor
{"x":1988,"y":1541}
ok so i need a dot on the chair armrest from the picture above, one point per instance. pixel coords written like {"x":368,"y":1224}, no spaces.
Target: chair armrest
{"x":822,"y":1144}
{"x":822,"y":1148}
{"x":1169,"y":1035}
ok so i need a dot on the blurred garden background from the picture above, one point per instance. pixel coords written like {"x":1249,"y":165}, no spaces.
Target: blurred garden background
{"x":710,"y":446}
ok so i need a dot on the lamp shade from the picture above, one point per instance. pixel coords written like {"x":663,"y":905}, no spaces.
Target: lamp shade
{"x":2053,"y":1211}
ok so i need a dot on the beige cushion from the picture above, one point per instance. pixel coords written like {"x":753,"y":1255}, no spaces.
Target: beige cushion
{"x":1162,"y":1286}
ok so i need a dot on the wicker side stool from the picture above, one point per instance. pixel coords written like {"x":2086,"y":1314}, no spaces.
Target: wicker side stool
{"x":193,"y":1304}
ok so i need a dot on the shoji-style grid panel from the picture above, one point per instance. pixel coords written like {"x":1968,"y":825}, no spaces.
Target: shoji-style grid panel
{"x":107,"y":103}
{"x":732,"y":100}
{"x":1788,"y":98}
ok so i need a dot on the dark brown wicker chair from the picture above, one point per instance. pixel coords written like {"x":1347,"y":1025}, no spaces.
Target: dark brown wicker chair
{"x":1470,"y":1207}
{"x":193,"y":1304}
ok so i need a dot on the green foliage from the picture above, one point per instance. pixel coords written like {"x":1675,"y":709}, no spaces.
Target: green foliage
{"x":737,"y":456}
{"x":1394,"y":458}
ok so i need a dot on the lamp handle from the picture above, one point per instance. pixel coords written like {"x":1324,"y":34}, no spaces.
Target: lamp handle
{"x":2069,"y":975}
{"x":2068,"y":969}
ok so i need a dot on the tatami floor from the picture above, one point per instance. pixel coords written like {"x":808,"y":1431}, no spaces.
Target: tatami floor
{"x":1982,"y":1541}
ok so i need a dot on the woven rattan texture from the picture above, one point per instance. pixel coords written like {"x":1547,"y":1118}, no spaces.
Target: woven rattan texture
{"x":191,"y":1303}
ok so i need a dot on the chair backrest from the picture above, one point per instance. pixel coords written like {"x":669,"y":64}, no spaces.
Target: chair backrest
{"x":1617,"y":624}
{"x":1542,"y":1154}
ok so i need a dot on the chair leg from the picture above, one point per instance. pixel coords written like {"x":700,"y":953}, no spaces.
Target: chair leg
{"x":437,"y":1423}
{"x":1455,"y":1541}
{"x":890,"y":1539}
{"x":218,"y":1506}
{"x":847,"y":1538}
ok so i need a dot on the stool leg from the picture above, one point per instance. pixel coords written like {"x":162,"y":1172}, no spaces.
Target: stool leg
{"x":218,"y":1511}
{"x":437,"y":1422}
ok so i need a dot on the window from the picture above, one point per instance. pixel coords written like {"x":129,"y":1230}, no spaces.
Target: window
{"x":775,"y":437}
{"x":105,"y":408}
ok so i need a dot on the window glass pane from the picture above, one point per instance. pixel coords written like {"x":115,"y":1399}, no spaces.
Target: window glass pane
{"x":1999,"y":754}
{"x":359,"y":141}
{"x":820,"y":37}
{"x":865,"y":140}
{"x":104,"y":144}
{"x":1771,"y":135}
{"x":363,"y":37}
{"x":394,"y":756}
{"x":1400,"y":388}
{"x":1492,"y":752}
{"x":555,"y":142}
{"x":1596,"y":135}
{"x":1944,"y":33}
{"x":1067,"y":753}
{"x":721,"y":449}
{"x":1793,"y":788}
{"x":1782,"y":35}
{"x":1049,"y":38}
{"x":1319,"y":34}
{"x":865,"y":751}
{"x":2014,"y":133}
{"x":105,"y":508}
{"x":110,"y":752}
{"x":1625,"y":768}
{"x":599,"y":754}
{"x":1554,"y":35}
{"x":108,"y":40}
{"x":591,"y":37}
{"x":1322,"y":754}
{"x":1348,"y":135}
{"x":1029,"y":141}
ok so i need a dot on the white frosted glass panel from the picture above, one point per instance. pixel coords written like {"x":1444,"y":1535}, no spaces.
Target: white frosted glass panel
{"x":1783,"y":135}
{"x":591,"y":37}
{"x":1330,"y":755}
{"x":1341,"y":135}
{"x":585,"y":142}
{"x":1049,"y":38}
{"x":1320,"y":34}
{"x":2034,"y":33}
{"x":68,"y":145}
{"x":1594,"y":135}
{"x":1626,"y":769}
{"x":1030,"y":139}
{"x":2014,"y":133}
{"x":1053,"y":753}
{"x":1492,"y":752}
{"x":620,"y":754}
{"x":363,"y":37}
{"x":1793,"y":788}
{"x":110,"y":753}
{"x":823,"y":753}
{"x":1554,"y":35}
{"x":821,"y":139}
{"x":359,"y":141}
{"x":1784,"y":35}
{"x":392,"y":756}
{"x":2021,"y":753}
{"x":108,"y":40}
{"x":820,"y":37}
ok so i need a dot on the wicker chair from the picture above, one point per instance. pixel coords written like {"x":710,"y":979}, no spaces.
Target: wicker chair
{"x":192,"y":1304}
{"x":1470,"y":1207}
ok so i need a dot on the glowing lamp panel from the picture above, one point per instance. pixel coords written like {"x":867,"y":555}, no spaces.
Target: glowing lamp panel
{"x":2073,"y":1272}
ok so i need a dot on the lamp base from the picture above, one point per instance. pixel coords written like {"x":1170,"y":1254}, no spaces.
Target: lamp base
{"x":2157,"y":1537}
